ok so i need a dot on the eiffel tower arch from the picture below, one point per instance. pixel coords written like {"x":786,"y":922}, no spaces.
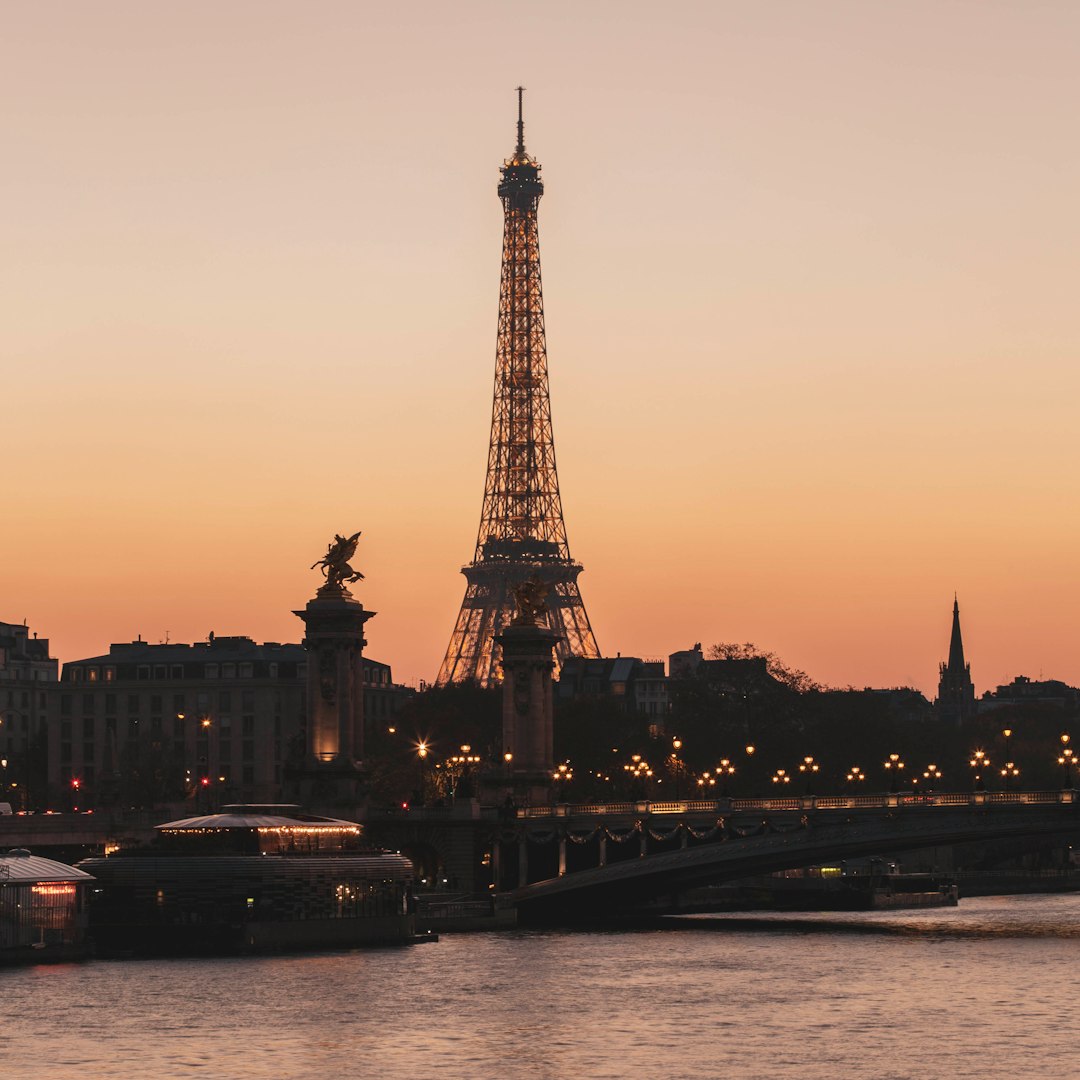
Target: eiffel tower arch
{"x":522,"y":533}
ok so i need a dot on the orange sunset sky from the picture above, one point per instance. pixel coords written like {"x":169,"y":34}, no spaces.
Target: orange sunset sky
{"x":810,"y":278}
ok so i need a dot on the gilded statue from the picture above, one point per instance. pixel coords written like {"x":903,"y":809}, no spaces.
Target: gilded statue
{"x":335,"y":563}
{"x":531,"y":600}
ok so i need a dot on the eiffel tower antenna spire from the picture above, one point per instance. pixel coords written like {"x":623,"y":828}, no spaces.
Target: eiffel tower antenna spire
{"x":520,"y":148}
{"x":522,"y":535}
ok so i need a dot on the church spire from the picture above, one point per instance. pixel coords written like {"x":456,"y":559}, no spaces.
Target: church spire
{"x":956,"y":692}
{"x":956,"y":643}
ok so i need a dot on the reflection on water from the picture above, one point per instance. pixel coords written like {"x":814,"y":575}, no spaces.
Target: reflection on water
{"x":983,"y":990}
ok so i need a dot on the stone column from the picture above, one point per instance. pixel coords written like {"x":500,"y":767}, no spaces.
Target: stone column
{"x":528,"y":709}
{"x":334,"y":640}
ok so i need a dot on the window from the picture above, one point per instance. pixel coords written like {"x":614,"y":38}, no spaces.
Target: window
{"x":133,"y":727}
{"x":247,"y":701}
{"x":110,"y":674}
{"x":249,"y":750}
{"x":65,"y":753}
{"x":273,"y":671}
{"x":65,"y":703}
{"x":87,"y":752}
{"x":225,"y":750}
{"x":178,"y":671}
{"x":143,"y":671}
{"x":249,"y":726}
{"x":88,"y":702}
{"x":225,"y":700}
{"x":155,"y":703}
{"x":65,"y":729}
{"x":247,"y":671}
{"x":211,"y":671}
{"x":228,"y":671}
{"x":159,"y":671}
{"x":91,"y":674}
{"x":88,"y":727}
{"x":249,"y":774}
{"x":133,"y":703}
{"x":178,"y":703}
{"x":110,"y":703}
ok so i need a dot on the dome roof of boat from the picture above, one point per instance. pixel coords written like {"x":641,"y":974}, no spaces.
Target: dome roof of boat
{"x":18,"y":866}
{"x":259,"y":816}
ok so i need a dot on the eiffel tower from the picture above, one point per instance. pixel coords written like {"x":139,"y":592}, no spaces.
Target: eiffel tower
{"x":522,"y":534}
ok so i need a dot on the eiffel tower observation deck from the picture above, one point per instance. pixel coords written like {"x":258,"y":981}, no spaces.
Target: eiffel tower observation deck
{"x":522,"y":533}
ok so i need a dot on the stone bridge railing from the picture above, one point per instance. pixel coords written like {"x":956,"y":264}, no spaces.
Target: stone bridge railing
{"x":805,"y":802}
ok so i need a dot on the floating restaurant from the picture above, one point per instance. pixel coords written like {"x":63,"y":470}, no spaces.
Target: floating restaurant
{"x":42,"y":909}
{"x":252,"y":878}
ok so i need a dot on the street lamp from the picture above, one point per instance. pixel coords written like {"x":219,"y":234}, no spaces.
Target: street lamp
{"x":1009,"y":773}
{"x":979,"y":761}
{"x":1066,"y":760}
{"x":421,"y":756}
{"x":562,"y":776}
{"x":725,"y":770}
{"x":894,"y":766}
{"x":931,"y":775}
{"x":640,"y":773}
{"x":780,"y":777}
{"x":855,"y":775}
{"x":676,"y":766}
{"x":809,"y":767}
{"x":748,"y":783}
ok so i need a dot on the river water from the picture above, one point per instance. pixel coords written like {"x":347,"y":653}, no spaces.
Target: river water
{"x":986,"y":990}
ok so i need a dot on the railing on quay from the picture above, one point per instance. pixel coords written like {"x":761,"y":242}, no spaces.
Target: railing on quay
{"x":802,"y":803}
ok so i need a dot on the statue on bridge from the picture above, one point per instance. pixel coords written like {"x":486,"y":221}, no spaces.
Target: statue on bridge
{"x":530,"y":596}
{"x":335,"y":564}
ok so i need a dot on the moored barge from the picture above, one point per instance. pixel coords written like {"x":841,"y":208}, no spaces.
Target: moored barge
{"x":42,"y":909}
{"x":252,"y":878}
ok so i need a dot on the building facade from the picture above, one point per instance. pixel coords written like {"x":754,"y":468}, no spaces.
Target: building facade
{"x":215,"y":721}
{"x":638,"y":685}
{"x":27,"y":673}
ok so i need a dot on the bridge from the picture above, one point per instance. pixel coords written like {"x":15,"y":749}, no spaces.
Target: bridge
{"x":663,"y":849}
{"x":565,"y":863}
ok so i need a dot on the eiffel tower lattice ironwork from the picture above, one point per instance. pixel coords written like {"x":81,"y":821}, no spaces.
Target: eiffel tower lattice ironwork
{"x":522,"y":533}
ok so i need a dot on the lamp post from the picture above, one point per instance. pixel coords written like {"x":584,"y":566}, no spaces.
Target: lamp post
{"x":639,"y":773}
{"x":676,"y":766}
{"x":855,"y":775}
{"x":893,"y":767}
{"x":1066,"y":760}
{"x":809,"y":768}
{"x":421,"y":757}
{"x":459,"y":767}
{"x":562,"y":776}
{"x":725,"y":770}
{"x":1009,"y":773}
{"x":1007,"y":734}
{"x":978,"y":762}
{"x":780,"y":778}
{"x":749,"y":783}
{"x":931,"y":774}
